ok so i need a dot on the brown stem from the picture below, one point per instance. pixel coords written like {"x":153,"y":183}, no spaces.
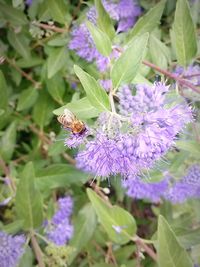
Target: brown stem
{"x":23,"y":73}
{"x":50,"y":27}
{"x":37,"y":250}
{"x":69,"y":158}
{"x":145,"y":247}
{"x":173,"y":76}
{"x":6,"y":171}
{"x":110,"y":256}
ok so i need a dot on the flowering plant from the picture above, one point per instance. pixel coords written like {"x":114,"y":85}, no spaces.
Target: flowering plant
{"x":100,"y":145}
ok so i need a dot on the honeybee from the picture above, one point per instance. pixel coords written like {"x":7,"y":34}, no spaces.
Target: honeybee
{"x":70,"y":121}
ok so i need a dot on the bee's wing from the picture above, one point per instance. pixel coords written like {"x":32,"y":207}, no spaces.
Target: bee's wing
{"x":69,"y":115}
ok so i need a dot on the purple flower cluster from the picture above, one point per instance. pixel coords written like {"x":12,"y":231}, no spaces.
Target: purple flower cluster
{"x":127,"y":145}
{"x":188,"y":187}
{"x":191,"y":73}
{"x":124,"y":11}
{"x":176,"y":192}
{"x":11,"y":249}
{"x":139,"y":189}
{"x":74,"y":140}
{"x":59,"y":230}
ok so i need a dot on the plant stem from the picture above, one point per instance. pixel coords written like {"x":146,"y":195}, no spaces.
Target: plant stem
{"x":49,"y":27}
{"x":37,"y":250}
{"x":145,"y":247}
{"x":112,"y":104}
{"x":23,"y":73}
{"x":173,"y":76}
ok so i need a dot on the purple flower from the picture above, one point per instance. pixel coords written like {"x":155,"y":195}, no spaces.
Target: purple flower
{"x":125,"y":12}
{"x":106,"y":84}
{"x":29,"y":2}
{"x":11,"y":249}
{"x":191,"y":73}
{"x":139,"y":189}
{"x":59,"y":230}
{"x":74,"y":140}
{"x":102,"y":157}
{"x":146,"y":98}
{"x":186,"y":188}
{"x":127,"y":145}
{"x":82,"y":43}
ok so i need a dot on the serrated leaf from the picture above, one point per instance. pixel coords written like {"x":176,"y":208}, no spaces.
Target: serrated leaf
{"x":81,"y":108}
{"x":12,"y":15}
{"x":184,"y":33}
{"x":111,"y":217}
{"x":95,"y":93}
{"x":104,"y":22}
{"x":42,"y":111}
{"x":28,"y":199}
{"x":56,"y":60}
{"x":20,"y":43}
{"x":8,"y":142}
{"x":101,"y":40}
{"x":58,"y":10}
{"x":59,"y":175}
{"x":170,"y":252}
{"x":149,"y":21}
{"x":27,"y":98}
{"x":159,"y":52}
{"x":125,"y":68}
{"x":84,"y":225}
{"x":56,"y":88}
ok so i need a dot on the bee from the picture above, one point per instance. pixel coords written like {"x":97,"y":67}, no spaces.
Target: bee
{"x":70,"y":121}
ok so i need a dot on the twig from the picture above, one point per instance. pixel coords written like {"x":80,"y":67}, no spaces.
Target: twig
{"x":6,"y":171}
{"x":173,"y":76}
{"x":110,"y":255}
{"x":37,"y":250}
{"x":37,"y":85}
{"x":69,"y":158}
{"x":50,"y":27}
{"x":98,"y":191}
{"x":146,"y":248}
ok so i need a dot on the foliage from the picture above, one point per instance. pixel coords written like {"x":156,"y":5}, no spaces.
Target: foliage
{"x":40,"y":77}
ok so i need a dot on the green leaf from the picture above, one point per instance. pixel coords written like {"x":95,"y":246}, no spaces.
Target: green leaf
{"x":28,"y":199}
{"x":103,"y":20}
{"x":184,"y":33}
{"x":20,"y":43}
{"x":84,"y":226}
{"x":14,"y":16}
{"x":3,"y":92}
{"x":95,"y":93}
{"x":159,"y":52}
{"x":113,"y":216}
{"x":42,"y":111}
{"x":58,"y":10}
{"x":59,"y":175}
{"x":101,"y":40}
{"x":125,"y":68}
{"x":81,"y":108}
{"x":27,"y":98}
{"x":8,"y":141}
{"x":56,"y":88}
{"x":27,"y":258}
{"x":149,"y":21}
{"x":170,"y":252}
{"x":56,"y":60}
{"x":29,"y":62}
{"x":190,"y":146}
